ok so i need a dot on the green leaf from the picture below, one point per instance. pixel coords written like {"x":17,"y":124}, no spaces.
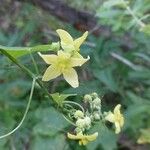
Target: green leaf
{"x":146,"y":29}
{"x":59,"y":98}
{"x":145,"y":136}
{"x":21,"y":51}
{"x":135,"y":114}
{"x":106,"y":138}
{"x":49,"y":123}
{"x":110,"y":3}
{"x":134,"y":98}
{"x":54,"y":143}
{"x":143,"y":56}
{"x":106,"y":77}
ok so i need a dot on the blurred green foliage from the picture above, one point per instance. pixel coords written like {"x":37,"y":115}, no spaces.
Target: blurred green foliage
{"x":118,"y":74}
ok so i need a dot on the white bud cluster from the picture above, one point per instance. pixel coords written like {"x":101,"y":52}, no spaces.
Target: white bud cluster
{"x":94,"y":95}
{"x":95,"y":105}
{"x":87,"y":98}
{"x":78,"y":114}
{"x":96,"y":115}
{"x":84,"y":120}
{"x":84,"y":123}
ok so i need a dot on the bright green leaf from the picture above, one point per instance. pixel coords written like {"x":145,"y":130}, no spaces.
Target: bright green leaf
{"x":59,"y":98}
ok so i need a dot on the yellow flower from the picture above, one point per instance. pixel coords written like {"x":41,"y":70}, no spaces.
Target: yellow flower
{"x":116,"y":118}
{"x":144,"y":137}
{"x":67,"y":42}
{"x":62,"y":63}
{"x":83,"y":139}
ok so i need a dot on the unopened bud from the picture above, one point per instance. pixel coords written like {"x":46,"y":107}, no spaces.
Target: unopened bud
{"x":96,"y":116}
{"x":78,"y":114}
{"x":87,"y":98}
{"x":94,"y":95}
{"x":97,"y":101}
{"x":79,"y":130}
{"x":80,"y":123}
{"x":87,"y":121}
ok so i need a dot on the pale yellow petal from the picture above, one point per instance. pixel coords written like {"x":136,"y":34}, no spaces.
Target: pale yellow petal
{"x":92,"y":137}
{"x":51,"y":73}
{"x":72,"y":136}
{"x":118,"y":129}
{"x":67,"y":47}
{"x":117,"y":109}
{"x":76,"y":54}
{"x":63,"y":55}
{"x":66,"y":40}
{"x":83,"y":142}
{"x":75,"y":137}
{"x":78,"y":61}
{"x":110,"y":117}
{"x":49,"y":59}
{"x":64,"y":36}
{"x":80,"y":40}
{"x":121,"y":120}
{"x":71,"y":77}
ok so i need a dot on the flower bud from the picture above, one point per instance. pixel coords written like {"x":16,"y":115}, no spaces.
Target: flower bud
{"x":78,"y":114}
{"x":80,"y":123}
{"x":87,"y":121}
{"x":87,"y":98}
{"x":94,"y":95}
{"x":96,"y":116}
{"x":78,"y":130}
{"x":97,"y":101}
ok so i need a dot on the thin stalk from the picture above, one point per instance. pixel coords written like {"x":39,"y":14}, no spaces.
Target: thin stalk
{"x":25,"y":113}
{"x":26,"y":70}
{"x":70,"y":102}
{"x":34,"y":63}
{"x":17,"y":63}
{"x":139,"y":22}
{"x":69,"y":120}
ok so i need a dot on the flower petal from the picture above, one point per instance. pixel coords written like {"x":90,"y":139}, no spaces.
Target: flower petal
{"x":49,"y":59}
{"x":117,"y":109}
{"x":121,"y":120}
{"x":71,"y":77}
{"x":118,"y":129}
{"x":63,"y":55}
{"x":80,"y":40}
{"x":78,"y":61}
{"x":67,"y":47}
{"x":110,"y":117}
{"x":76,"y":54}
{"x":66,"y":40}
{"x":73,"y":137}
{"x":51,"y":73}
{"x":83,"y":142}
{"x":92,"y":137}
{"x":64,"y":36}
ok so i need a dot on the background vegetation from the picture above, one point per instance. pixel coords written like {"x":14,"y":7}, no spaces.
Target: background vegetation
{"x":119,"y":71}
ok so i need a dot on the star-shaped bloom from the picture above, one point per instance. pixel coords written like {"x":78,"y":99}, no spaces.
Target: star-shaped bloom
{"x":62,"y":63}
{"x":116,"y":118}
{"x":69,"y":44}
{"x":83,"y":139}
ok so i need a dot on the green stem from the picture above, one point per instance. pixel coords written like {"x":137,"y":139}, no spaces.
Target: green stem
{"x":69,"y":120}
{"x":70,"y":102}
{"x":17,"y":63}
{"x":26,"y":70}
{"x":25,"y":113}
{"x":34,"y":63}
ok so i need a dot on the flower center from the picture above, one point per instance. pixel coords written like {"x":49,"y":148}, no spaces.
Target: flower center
{"x":64,"y":64}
